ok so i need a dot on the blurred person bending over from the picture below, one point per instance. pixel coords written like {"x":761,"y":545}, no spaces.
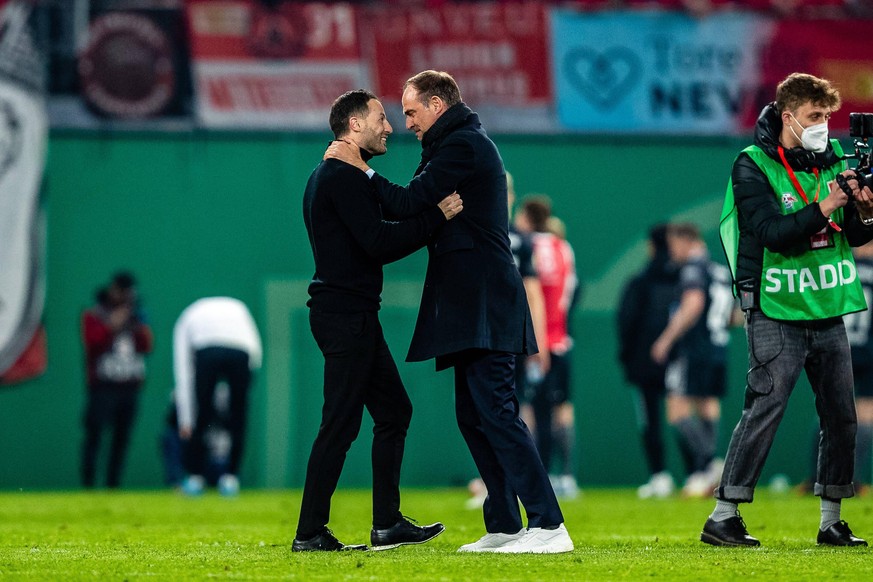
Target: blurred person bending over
{"x":554,"y":261}
{"x":116,"y":340}
{"x":351,"y":240}
{"x":474,"y":314}
{"x":643,"y":313}
{"x":792,"y":211}
{"x":697,"y":334}
{"x":215,"y":339}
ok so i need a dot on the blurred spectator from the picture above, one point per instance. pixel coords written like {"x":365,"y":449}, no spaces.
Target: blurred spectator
{"x":643,"y":313}
{"x":215,"y":338}
{"x":116,"y":338}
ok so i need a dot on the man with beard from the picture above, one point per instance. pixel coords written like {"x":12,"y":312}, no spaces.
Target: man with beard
{"x":351,"y":241}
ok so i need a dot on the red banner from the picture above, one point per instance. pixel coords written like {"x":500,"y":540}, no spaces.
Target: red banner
{"x":277,"y":67}
{"x":835,"y":50}
{"x":498,"y":52}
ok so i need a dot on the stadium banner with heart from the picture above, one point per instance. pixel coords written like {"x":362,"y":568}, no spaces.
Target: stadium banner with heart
{"x":662,"y":72}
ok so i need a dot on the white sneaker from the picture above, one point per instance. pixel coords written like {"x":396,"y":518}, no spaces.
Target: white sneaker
{"x":479,"y":493}
{"x":659,"y":486}
{"x":569,"y":487}
{"x":228,"y":485}
{"x":698,"y":485}
{"x":193,"y":485}
{"x":714,"y":471}
{"x":537,"y":540}
{"x":490,"y":542}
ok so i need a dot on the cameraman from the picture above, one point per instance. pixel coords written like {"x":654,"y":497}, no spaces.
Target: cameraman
{"x":116,"y":340}
{"x":787,"y":228}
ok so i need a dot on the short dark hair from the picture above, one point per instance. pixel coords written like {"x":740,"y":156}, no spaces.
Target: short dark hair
{"x":124,"y":280}
{"x":538,"y":209}
{"x":435,"y":84}
{"x":658,"y":236}
{"x":686,"y":230}
{"x":798,"y":88}
{"x":348,"y":105}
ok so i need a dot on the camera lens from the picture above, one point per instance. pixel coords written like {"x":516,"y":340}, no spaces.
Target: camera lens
{"x":861,"y":125}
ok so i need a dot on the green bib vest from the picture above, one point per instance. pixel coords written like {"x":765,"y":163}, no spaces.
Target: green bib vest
{"x":817,"y":280}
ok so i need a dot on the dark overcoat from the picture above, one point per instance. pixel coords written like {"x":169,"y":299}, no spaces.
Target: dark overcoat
{"x":473,"y":297}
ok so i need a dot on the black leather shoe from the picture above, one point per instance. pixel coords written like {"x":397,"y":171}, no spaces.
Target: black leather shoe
{"x":730,"y":532}
{"x":403,"y":533}
{"x":324,"y":541}
{"x":839,"y":534}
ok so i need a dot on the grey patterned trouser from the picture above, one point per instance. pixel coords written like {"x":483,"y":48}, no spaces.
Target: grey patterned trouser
{"x":778,"y":352}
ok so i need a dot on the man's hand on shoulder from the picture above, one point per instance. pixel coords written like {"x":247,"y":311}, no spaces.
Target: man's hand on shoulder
{"x":346,"y":151}
{"x":451,"y":205}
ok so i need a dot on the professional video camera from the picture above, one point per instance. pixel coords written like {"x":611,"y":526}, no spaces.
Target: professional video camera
{"x":861,"y":128}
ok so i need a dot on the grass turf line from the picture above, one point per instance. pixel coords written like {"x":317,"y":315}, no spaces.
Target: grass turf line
{"x":160,"y":535}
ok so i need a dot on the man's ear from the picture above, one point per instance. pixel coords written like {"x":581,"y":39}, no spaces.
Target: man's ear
{"x":354,"y":124}
{"x":437,"y":104}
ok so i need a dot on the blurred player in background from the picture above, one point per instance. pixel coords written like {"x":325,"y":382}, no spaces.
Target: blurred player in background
{"x":643,"y":313}
{"x":554,"y":262}
{"x":695,"y":379}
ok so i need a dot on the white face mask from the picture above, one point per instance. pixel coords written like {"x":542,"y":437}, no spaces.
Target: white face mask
{"x":814,"y":138}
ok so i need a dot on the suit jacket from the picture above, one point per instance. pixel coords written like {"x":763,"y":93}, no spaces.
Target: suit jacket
{"x":473,"y":296}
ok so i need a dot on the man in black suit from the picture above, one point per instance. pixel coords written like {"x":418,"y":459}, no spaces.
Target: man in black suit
{"x":474,"y":314}
{"x":350,"y":242}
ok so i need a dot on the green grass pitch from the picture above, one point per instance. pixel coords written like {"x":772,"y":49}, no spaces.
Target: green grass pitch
{"x":160,"y":535}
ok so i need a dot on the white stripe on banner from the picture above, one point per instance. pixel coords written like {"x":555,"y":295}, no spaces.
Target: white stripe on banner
{"x":23,"y":138}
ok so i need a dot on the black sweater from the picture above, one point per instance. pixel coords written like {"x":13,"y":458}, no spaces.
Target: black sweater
{"x":350,"y":239}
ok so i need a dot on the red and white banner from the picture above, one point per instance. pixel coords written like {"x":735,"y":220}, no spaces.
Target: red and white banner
{"x":278,"y":68}
{"x":23,"y":139}
{"x":498,"y":52}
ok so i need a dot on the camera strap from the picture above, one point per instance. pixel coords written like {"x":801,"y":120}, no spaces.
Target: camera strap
{"x":799,"y":188}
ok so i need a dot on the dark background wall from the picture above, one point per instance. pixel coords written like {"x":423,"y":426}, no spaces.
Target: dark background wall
{"x":195,"y":214}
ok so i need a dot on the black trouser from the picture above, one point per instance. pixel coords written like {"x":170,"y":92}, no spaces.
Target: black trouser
{"x":211,"y":365}
{"x":650,"y":417}
{"x":502,"y":447}
{"x":551,"y":392}
{"x":113,"y":406}
{"x":358,"y":372}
